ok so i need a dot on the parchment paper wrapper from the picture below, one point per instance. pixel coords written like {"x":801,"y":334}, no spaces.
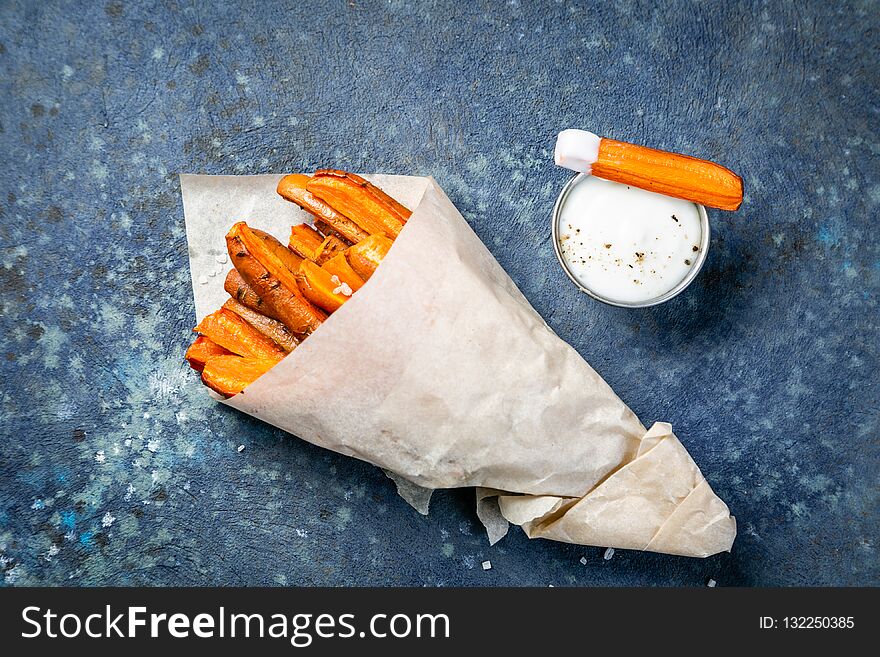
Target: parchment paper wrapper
{"x":439,"y":371}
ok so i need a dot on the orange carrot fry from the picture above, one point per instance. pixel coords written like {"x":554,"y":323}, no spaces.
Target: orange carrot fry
{"x":319,"y":287}
{"x":304,"y":241}
{"x":231,"y":332}
{"x":355,"y":201}
{"x":338,"y":266}
{"x":272,"y":329}
{"x":272,"y":281}
{"x":666,"y":173}
{"x":245,"y":295}
{"x":293,"y":188}
{"x":229,"y":375}
{"x":329,"y":247}
{"x":326,"y":229}
{"x":201,"y":350}
{"x":365,"y":256}
{"x":267,"y":247}
{"x":380,"y":196}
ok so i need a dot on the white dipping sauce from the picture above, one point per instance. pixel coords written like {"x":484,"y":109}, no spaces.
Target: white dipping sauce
{"x":626,"y":244}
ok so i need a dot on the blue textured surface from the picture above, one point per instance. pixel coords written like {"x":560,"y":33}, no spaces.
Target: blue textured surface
{"x":116,"y":468}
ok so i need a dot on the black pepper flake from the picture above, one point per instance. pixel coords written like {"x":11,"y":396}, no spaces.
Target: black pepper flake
{"x":687,"y":262}
{"x":695,"y":248}
{"x":607,"y":246}
{"x":675,"y":219}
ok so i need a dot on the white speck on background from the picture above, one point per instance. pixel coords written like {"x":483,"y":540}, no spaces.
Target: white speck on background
{"x":53,"y":550}
{"x":711,"y":583}
{"x":153,"y":444}
{"x":240,"y":449}
{"x":37,"y":505}
{"x":107,"y":520}
{"x":158,"y":53}
{"x":67,"y":71}
{"x":487,"y":565}
{"x":583,"y":561}
{"x":302,"y":533}
{"x":99,"y":456}
{"x":129,"y":492}
{"x":608,"y":554}
{"x":12,"y":574}
{"x":222,"y":258}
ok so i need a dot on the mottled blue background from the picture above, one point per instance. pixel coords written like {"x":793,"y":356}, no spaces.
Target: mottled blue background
{"x":116,"y":467}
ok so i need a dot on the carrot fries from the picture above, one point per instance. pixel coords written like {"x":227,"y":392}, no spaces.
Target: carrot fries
{"x":280,"y":294}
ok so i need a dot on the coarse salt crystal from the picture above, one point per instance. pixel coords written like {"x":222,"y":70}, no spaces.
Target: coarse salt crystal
{"x":240,"y":449}
{"x":583,"y":561}
{"x":203,"y":280}
{"x":222,"y":258}
{"x":343,"y":288}
{"x":608,"y":554}
{"x":711,"y":583}
{"x":487,"y":565}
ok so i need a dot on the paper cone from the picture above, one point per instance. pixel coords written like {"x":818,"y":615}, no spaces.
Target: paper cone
{"x":440,"y":371}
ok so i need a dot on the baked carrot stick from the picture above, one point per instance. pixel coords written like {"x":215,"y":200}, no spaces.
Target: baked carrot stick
{"x":338,"y":266}
{"x":229,"y":375}
{"x":293,"y":188}
{"x":272,"y":329}
{"x":304,"y":241}
{"x":319,"y":287}
{"x":666,"y":173}
{"x":331,"y":246}
{"x":231,"y":332}
{"x":201,"y":350}
{"x":378,"y":194}
{"x":353,"y":197}
{"x":365,"y":256}
{"x":275,"y":285}
{"x":245,"y":295}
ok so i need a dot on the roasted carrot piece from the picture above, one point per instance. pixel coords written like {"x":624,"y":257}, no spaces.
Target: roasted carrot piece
{"x":231,"y":332}
{"x":229,"y":375}
{"x":381,"y":197}
{"x":667,"y":173}
{"x":277,"y":287}
{"x":338,"y":266}
{"x":355,"y":201}
{"x":319,"y":287}
{"x":329,"y":247}
{"x":304,"y":241}
{"x":367,"y":254}
{"x":272,"y":329}
{"x":273,"y":249}
{"x":278,"y":260}
{"x":293,"y":188}
{"x":245,"y":295}
{"x":201,"y":350}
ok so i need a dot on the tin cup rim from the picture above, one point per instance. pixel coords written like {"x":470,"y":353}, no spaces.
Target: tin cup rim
{"x":654,"y":301}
